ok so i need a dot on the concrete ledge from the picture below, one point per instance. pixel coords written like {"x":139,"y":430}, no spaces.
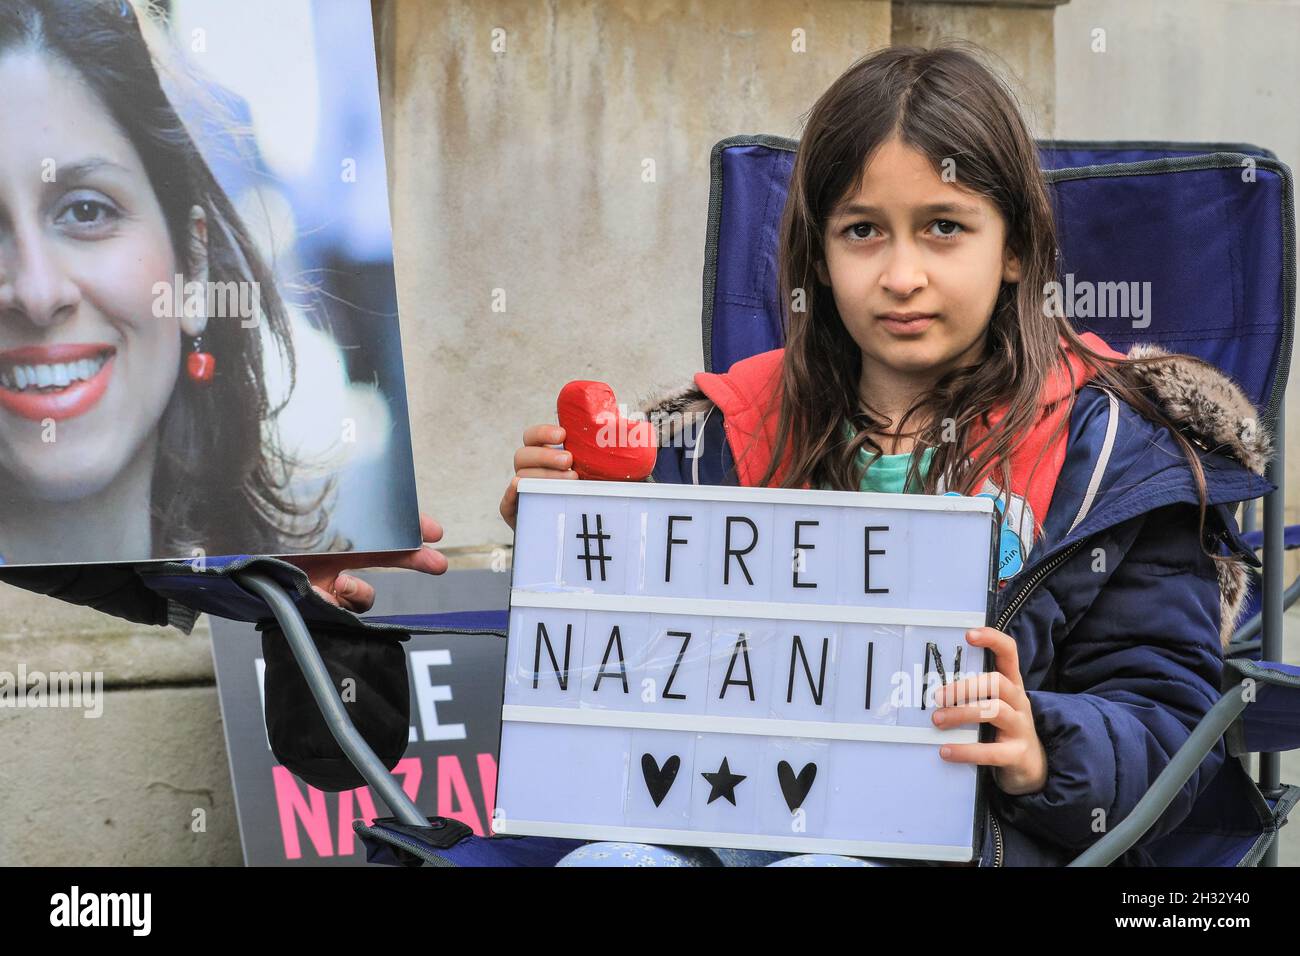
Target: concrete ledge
{"x":51,"y":635}
{"x":121,"y":789}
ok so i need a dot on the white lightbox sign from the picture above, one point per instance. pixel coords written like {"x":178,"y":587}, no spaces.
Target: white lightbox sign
{"x":742,"y":667}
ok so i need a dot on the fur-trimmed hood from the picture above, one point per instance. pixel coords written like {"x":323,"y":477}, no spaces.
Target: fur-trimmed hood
{"x":1210,"y":409}
{"x":1208,"y":405}
{"x":1216,"y":415}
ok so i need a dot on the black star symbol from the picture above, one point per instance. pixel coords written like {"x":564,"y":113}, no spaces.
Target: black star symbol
{"x":723,"y":783}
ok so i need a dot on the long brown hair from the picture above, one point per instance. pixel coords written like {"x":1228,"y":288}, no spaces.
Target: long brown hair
{"x":945,"y":103}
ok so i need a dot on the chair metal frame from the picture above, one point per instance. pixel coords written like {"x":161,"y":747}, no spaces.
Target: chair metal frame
{"x":328,"y":699}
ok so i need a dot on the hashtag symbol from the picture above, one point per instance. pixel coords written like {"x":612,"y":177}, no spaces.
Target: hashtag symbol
{"x":600,"y":538}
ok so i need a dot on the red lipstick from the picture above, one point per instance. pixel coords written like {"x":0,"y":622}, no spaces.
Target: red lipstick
{"x":76,"y":396}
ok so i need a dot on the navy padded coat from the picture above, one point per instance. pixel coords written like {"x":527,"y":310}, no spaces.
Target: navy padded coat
{"x":1119,"y":616}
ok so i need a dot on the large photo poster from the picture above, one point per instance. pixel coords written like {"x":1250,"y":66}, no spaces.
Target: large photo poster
{"x":199,"y":344}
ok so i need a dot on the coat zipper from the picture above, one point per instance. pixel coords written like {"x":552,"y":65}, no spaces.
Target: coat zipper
{"x":1023,"y":595}
{"x":1003,"y":620}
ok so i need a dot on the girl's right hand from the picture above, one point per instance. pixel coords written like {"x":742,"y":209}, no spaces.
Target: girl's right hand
{"x":536,"y":460}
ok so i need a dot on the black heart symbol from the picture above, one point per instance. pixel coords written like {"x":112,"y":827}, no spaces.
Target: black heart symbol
{"x":659,"y":780}
{"x":795,"y":788}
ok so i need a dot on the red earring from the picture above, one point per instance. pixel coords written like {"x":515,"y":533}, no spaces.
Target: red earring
{"x":199,"y":364}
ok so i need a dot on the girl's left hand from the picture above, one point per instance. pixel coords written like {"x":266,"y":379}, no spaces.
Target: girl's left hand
{"x":998,"y":697}
{"x":353,"y":594}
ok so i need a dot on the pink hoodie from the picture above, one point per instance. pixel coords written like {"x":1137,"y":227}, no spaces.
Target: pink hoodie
{"x":748,"y":396}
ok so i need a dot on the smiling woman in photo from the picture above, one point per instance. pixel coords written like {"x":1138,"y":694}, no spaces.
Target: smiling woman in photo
{"x":129,"y":429}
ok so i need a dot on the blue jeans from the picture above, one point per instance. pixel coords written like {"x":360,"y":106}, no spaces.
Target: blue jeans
{"x":644,"y":854}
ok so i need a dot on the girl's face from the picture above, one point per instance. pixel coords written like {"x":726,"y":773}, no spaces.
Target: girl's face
{"x":915,"y":265}
{"x":86,"y":369}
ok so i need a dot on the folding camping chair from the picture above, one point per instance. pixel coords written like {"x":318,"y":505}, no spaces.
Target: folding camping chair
{"x":1141,"y":210}
{"x":1168,"y":213}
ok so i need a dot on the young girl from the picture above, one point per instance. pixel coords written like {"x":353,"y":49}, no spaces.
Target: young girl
{"x":919,"y":236}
